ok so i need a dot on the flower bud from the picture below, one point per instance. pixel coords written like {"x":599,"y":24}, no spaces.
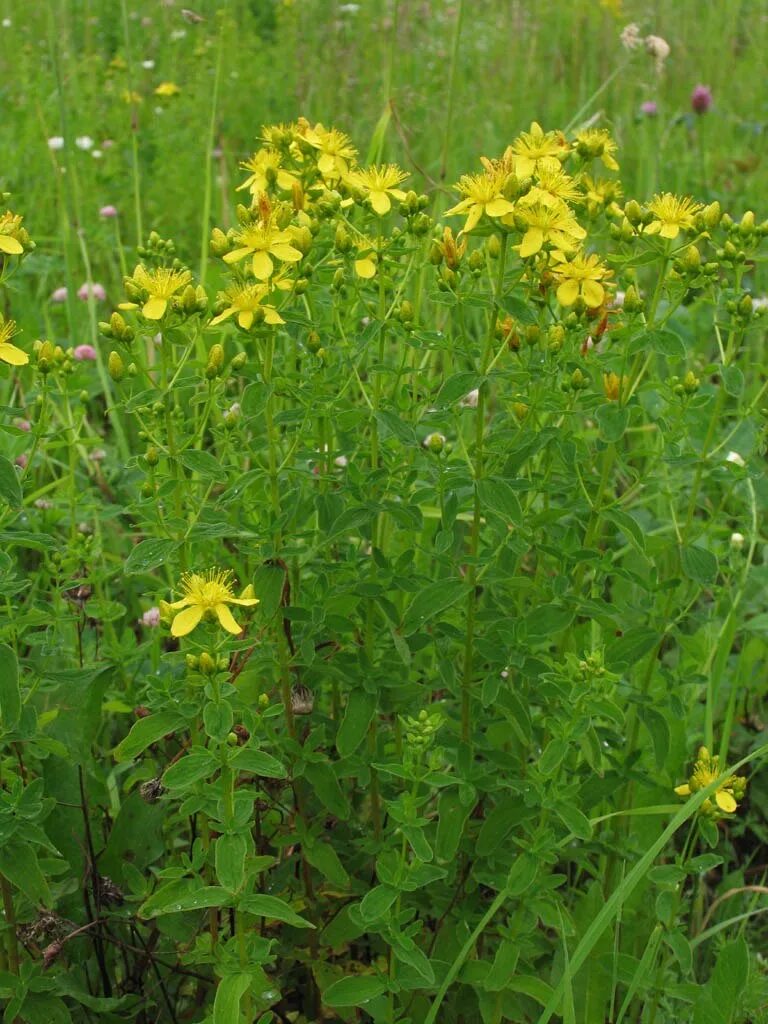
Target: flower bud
{"x":747,"y":224}
{"x":192,"y":662}
{"x":555,"y":337}
{"x":691,"y":259}
{"x":520,"y":409}
{"x":476,"y":261}
{"x":231,"y":739}
{"x":434,"y":443}
{"x":633,"y":212}
{"x":711,"y":215}
{"x":632,"y":301}
{"x":115,"y":366}
{"x":152,"y":456}
{"x":219,"y":243}
{"x":493,"y":247}
{"x":691,"y":383}
{"x":737,"y":541}
{"x":612,"y":386}
{"x":239,"y":361}
{"x":215,"y":361}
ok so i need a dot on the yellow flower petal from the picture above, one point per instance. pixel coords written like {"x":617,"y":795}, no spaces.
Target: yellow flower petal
{"x":272,"y":317}
{"x":236,"y":254}
{"x":13,"y":355}
{"x":227,"y":619}
{"x":725,"y":801}
{"x":186,"y":621}
{"x":499,"y":207}
{"x":593,"y":293}
{"x":246,"y":319}
{"x":684,"y":790}
{"x":285,"y":252}
{"x":10,"y":245}
{"x":567,"y":293}
{"x":380,"y":202}
{"x":262,"y":266}
{"x":669,"y":230}
{"x":533,"y":239}
{"x":222,"y":316}
{"x":365,"y":268}
{"x":474,"y":215}
{"x":154,"y":308}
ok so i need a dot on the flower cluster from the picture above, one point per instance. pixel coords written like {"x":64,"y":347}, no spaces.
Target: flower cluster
{"x":706,"y":770}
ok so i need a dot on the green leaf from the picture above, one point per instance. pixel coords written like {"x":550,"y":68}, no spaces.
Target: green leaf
{"x":452,"y":816}
{"x":733,"y":381}
{"x":553,"y":754}
{"x":499,"y":496}
{"x":229,"y":992}
{"x":274,"y":908}
{"x":10,"y":486}
{"x":658,"y":727}
{"x":218,"y":719}
{"x":666,"y":343}
{"x":574,"y":820}
{"x":532,"y":986}
{"x":268,"y":582}
{"x":628,"y":526}
{"x":699,"y":564}
{"x":358,"y":715}
{"x":182,"y":895}
{"x":148,"y":555}
{"x":145,"y":732}
{"x":323,"y":780}
{"x":18,"y":862}
{"x":546,"y":620}
{"x":612,"y":419}
{"x":323,"y":857}
{"x":194,"y":766}
{"x":205,"y":464}
{"x":10,"y":695}
{"x":231,"y":850}
{"x":395,"y":425}
{"x":431,"y":601}
{"x":408,"y":952}
{"x":353,"y":991}
{"x":377,"y":902}
{"x":457,"y":386}
{"x":248,"y":759}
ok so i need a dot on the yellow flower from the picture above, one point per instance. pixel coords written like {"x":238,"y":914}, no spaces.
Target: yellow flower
{"x":245,"y":300}
{"x":160,"y":286}
{"x":167,"y":89}
{"x":263,"y":240}
{"x":537,"y":151}
{"x":482,"y":195}
{"x":672,"y":214}
{"x":265,"y":171}
{"x":597,"y":142}
{"x":706,"y":770}
{"x":10,"y":229}
{"x":335,"y":149}
{"x":555,"y":224}
{"x":601,"y":193}
{"x":10,"y":353}
{"x":131,"y":96}
{"x":580,"y":277}
{"x":552,"y":188}
{"x":207,"y":595}
{"x":612,"y":386}
{"x":378,"y":183}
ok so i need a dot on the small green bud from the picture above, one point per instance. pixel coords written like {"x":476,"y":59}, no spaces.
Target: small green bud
{"x":532,"y":334}
{"x":747,"y":224}
{"x":152,"y":455}
{"x":215,"y":361}
{"x":711,"y":215}
{"x":691,"y":259}
{"x":192,"y":662}
{"x":632,"y":301}
{"x":476,"y":261}
{"x":493,"y":246}
{"x":231,"y":739}
{"x":207,"y":664}
{"x":219,"y":243}
{"x":115,"y":366}
{"x":239,"y":361}
{"x":633,"y":212}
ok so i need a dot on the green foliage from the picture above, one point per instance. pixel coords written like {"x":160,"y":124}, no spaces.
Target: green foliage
{"x":371,"y":584}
